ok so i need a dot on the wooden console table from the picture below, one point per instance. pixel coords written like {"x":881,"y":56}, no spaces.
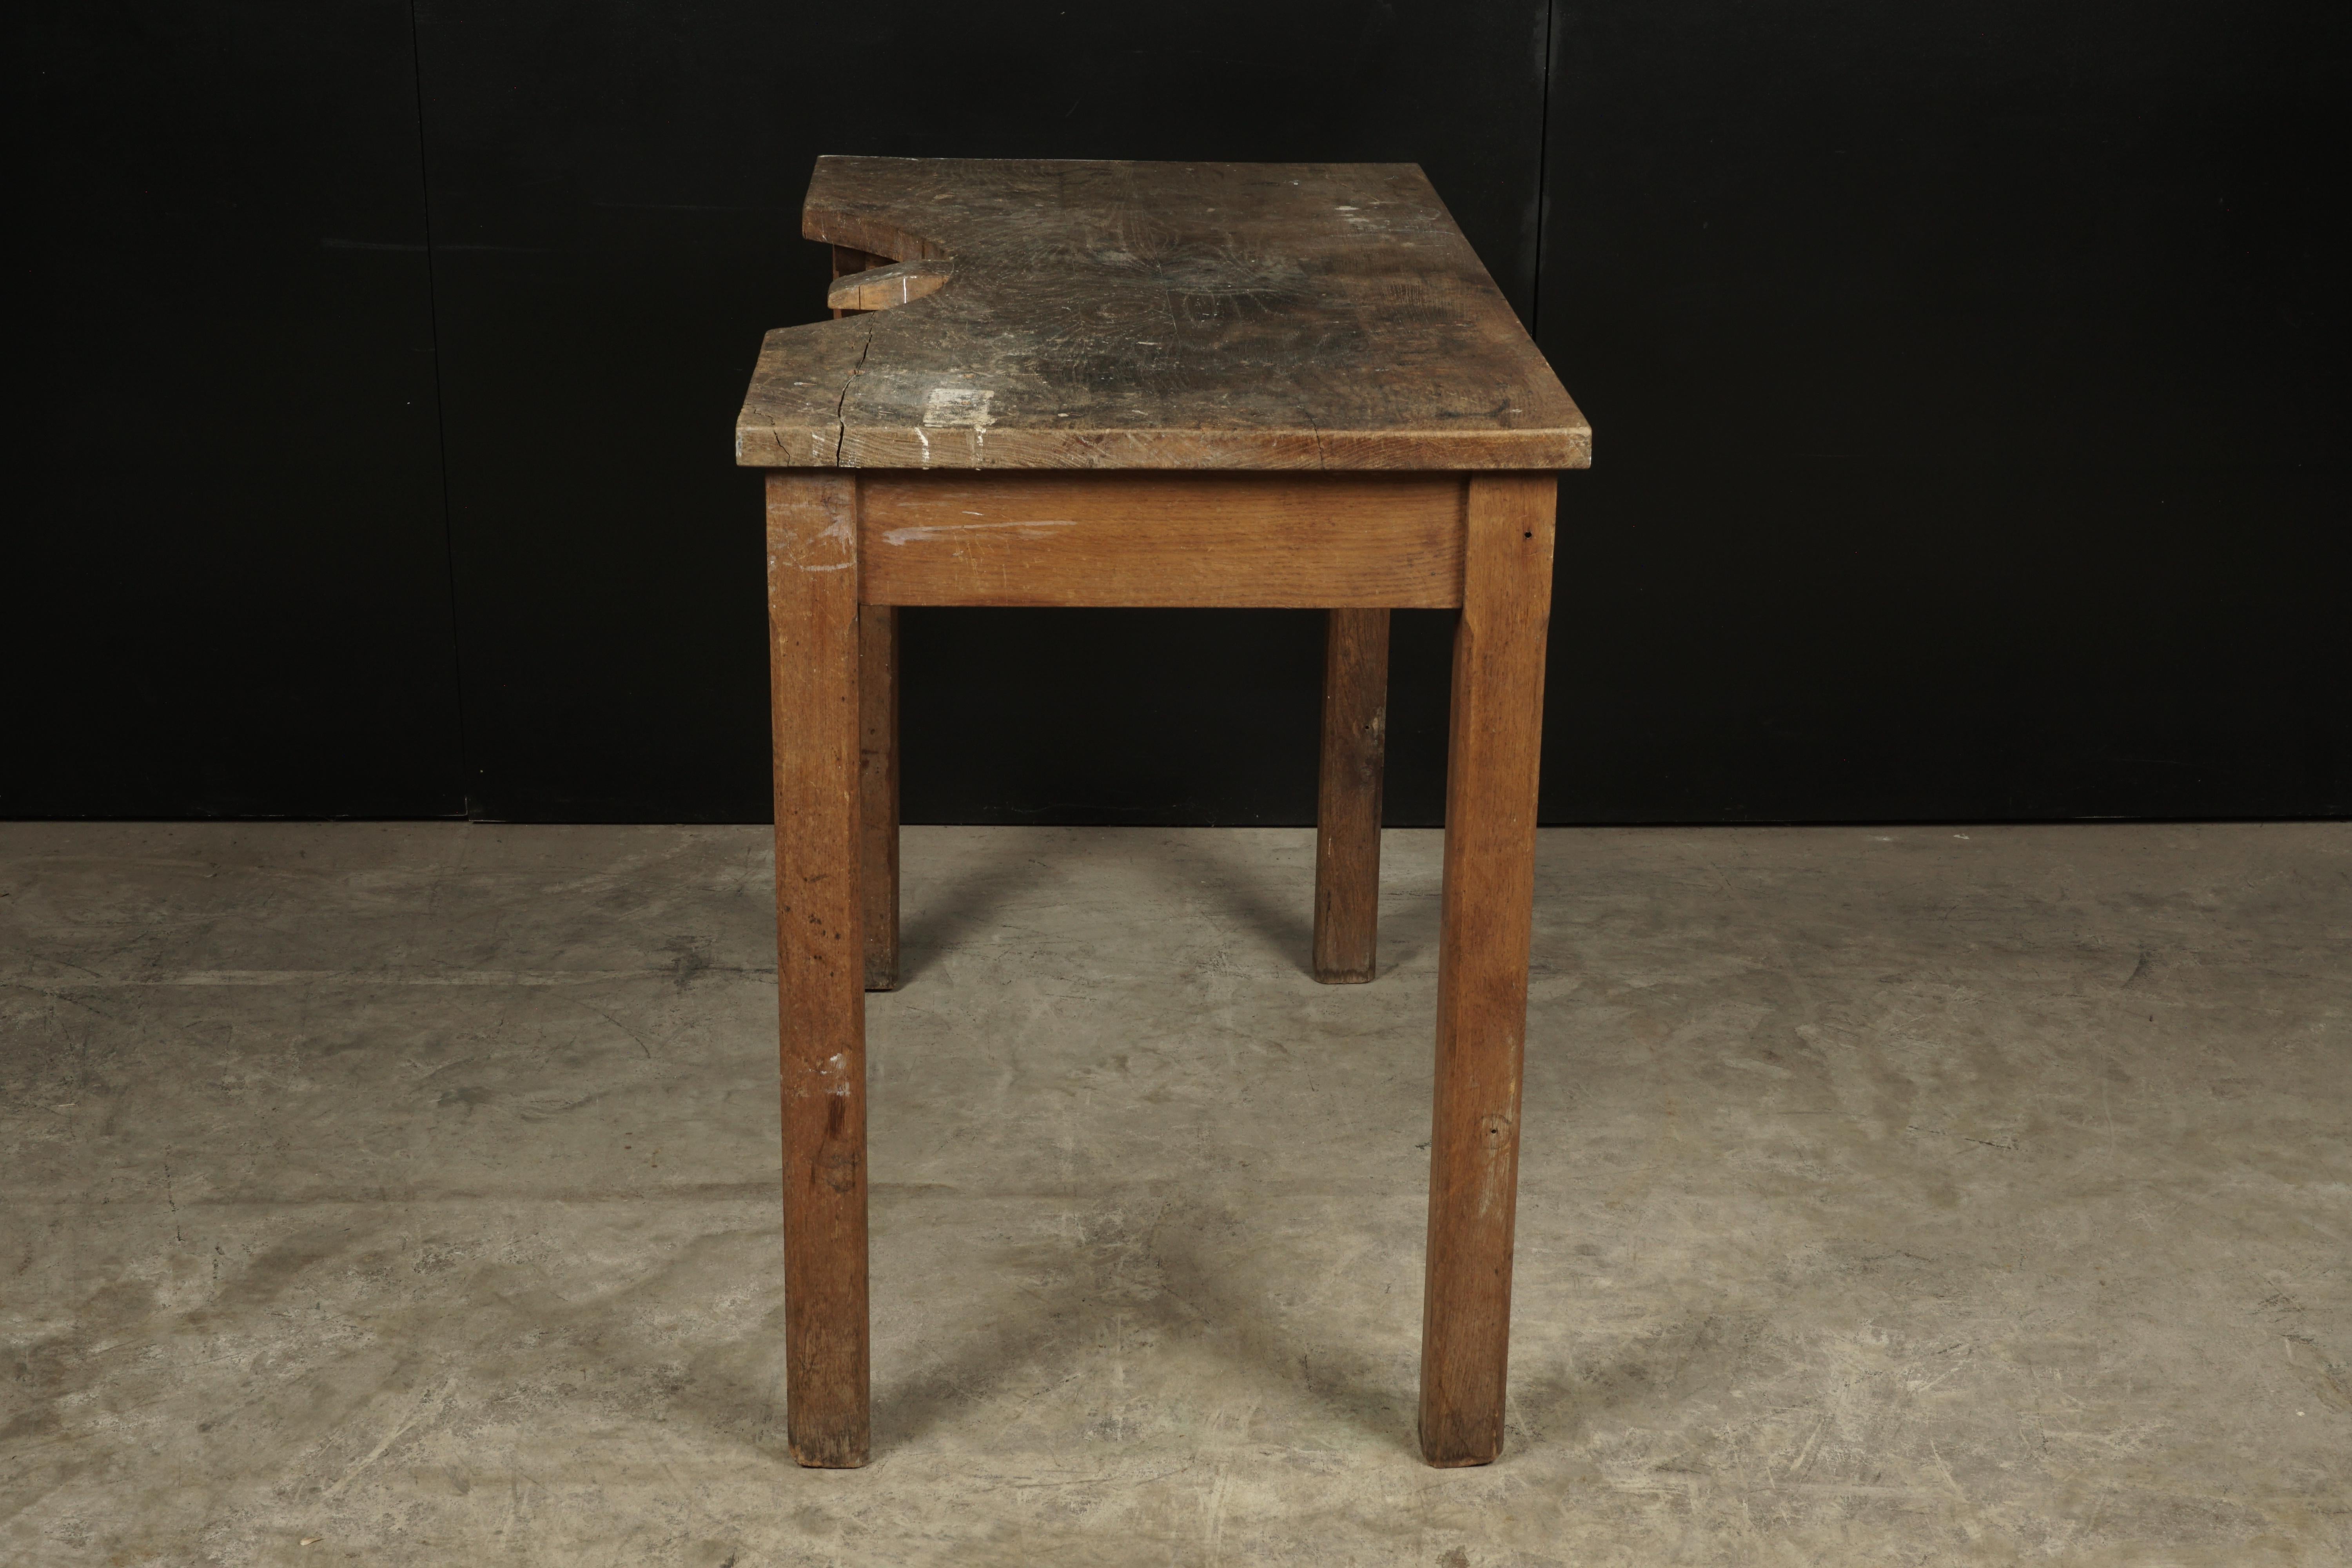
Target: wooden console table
{"x":1156,"y":385}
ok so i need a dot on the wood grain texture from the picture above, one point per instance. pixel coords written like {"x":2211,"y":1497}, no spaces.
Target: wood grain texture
{"x":1162,"y":539}
{"x":820,"y":960}
{"x":880,"y":287}
{"x":1127,"y":315}
{"x":849,"y":262}
{"x":1347,"y":803}
{"x":877,"y":773}
{"x":1488,"y":898}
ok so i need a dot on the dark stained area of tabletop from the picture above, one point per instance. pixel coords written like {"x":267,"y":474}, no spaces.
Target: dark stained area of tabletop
{"x":1139,"y":315}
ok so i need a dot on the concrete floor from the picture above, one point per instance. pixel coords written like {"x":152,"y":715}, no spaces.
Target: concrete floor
{"x":406,"y":1195}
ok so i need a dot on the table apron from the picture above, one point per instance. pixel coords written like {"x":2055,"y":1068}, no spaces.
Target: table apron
{"x":1162,"y":539}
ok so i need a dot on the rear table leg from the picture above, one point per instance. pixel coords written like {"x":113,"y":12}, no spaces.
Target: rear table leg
{"x":1347,"y":812}
{"x":878,"y":784}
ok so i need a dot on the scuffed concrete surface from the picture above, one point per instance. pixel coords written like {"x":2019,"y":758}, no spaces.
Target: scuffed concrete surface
{"x":1890,"y":1196}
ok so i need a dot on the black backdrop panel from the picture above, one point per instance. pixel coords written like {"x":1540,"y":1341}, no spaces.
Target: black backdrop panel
{"x":229,"y":587}
{"x":616,"y":189}
{"x":1968,"y":384}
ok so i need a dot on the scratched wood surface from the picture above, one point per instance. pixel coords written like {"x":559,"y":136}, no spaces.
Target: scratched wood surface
{"x":1127,"y":315}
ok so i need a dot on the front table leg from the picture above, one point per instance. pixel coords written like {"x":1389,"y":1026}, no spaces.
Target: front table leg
{"x":820,"y":958}
{"x":1481,"y":978}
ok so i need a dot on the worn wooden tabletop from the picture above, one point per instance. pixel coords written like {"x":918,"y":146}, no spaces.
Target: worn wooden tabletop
{"x":1121,"y":315}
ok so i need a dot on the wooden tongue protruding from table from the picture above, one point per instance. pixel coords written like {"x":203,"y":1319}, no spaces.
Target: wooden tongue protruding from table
{"x":880,"y":287}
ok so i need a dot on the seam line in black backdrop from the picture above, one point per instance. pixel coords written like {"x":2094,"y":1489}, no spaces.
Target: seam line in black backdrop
{"x":1543,"y":160}
{"x":468,"y":803}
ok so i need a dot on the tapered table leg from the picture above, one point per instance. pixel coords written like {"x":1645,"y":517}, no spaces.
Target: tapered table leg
{"x":1482,"y":986}
{"x":1348,"y":808}
{"x":820,"y":959}
{"x":877,"y":774}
